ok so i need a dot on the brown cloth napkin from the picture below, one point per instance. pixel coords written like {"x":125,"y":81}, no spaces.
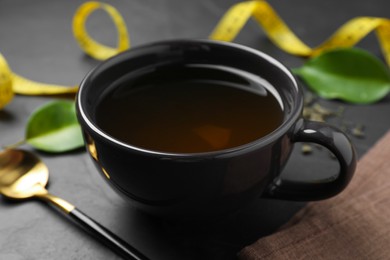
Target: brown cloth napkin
{"x":353,"y":225}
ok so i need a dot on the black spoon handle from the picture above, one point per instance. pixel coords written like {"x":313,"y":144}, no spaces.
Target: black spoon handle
{"x":105,"y":236}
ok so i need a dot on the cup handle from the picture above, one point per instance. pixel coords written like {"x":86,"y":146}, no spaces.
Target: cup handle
{"x":336,"y":142}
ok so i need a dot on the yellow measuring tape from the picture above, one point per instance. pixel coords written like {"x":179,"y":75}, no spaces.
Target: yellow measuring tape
{"x":11,"y":83}
{"x":346,"y":36}
{"x":90,"y":46}
{"x":6,"y":93}
{"x":227,"y":29}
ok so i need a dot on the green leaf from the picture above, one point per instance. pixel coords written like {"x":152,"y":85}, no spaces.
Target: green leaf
{"x":54,"y":128}
{"x":349,"y":74}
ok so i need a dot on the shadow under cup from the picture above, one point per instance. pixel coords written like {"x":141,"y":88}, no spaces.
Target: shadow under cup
{"x":208,"y":184}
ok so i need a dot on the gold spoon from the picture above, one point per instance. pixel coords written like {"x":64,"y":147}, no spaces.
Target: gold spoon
{"x":23,"y":175}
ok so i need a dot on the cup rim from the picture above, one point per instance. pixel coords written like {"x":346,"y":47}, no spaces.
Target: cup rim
{"x":270,"y":137}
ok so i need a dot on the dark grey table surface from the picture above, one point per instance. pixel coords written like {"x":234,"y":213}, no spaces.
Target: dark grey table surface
{"x":36,"y":39}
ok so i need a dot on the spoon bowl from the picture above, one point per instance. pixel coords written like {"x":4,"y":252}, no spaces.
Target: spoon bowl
{"x":22,"y":174}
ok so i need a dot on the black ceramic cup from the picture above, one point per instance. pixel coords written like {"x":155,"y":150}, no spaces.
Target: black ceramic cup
{"x":209,"y":184}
